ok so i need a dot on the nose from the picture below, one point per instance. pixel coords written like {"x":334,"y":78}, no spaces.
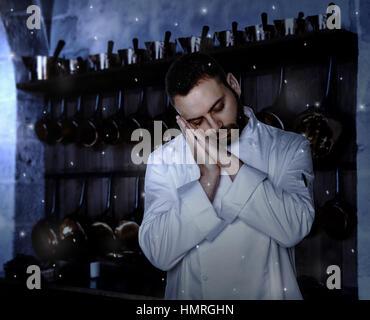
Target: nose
{"x":213,"y":122}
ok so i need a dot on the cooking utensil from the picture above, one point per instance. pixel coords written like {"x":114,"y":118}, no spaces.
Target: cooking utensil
{"x":47,"y":129}
{"x":268,"y":29}
{"x":319,"y":125}
{"x":133,"y":55}
{"x":112,"y":128}
{"x":139,"y":120}
{"x":189,"y":44}
{"x":316,"y":23}
{"x":284,"y":27}
{"x":88,"y":130}
{"x":108,"y":60}
{"x":44,"y":233}
{"x":78,"y":66}
{"x":269,"y":115}
{"x":127,"y":231}
{"x":336,"y":216}
{"x":70,"y":125}
{"x":206,"y":43}
{"x":72,"y":235}
{"x":161,"y":49}
{"x":100,"y":232}
{"x":231,"y":38}
{"x":300,"y":25}
{"x":44,"y":67}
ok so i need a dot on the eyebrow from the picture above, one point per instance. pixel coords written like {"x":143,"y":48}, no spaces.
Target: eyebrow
{"x":210,"y":109}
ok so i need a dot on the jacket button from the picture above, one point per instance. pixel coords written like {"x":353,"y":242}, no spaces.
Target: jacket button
{"x":205,"y":278}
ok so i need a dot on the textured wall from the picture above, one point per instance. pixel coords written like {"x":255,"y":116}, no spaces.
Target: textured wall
{"x":7,"y":149}
{"x":363,"y":156}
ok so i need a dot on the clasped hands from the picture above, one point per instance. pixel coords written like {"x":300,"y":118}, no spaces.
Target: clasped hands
{"x":208,"y":153}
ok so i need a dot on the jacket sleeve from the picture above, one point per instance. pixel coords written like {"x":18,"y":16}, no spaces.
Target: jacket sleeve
{"x":285,"y":212}
{"x":175,"y":219}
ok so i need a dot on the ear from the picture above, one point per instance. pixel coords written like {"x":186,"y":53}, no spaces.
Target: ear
{"x":231,"y":80}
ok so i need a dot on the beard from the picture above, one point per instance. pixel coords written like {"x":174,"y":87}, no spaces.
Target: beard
{"x":239,"y":123}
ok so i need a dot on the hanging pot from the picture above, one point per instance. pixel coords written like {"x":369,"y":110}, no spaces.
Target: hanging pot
{"x":336,"y":216}
{"x":139,"y":120}
{"x":111,"y":130}
{"x":100,"y":233}
{"x":72,"y":235}
{"x":70,"y":125}
{"x":47,"y":129}
{"x":269,"y":115}
{"x":319,"y":124}
{"x":88,"y":129}
{"x":44,"y":233}
{"x":127,"y":231}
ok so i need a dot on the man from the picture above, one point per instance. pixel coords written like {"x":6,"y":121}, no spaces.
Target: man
{"x":222,"y":234}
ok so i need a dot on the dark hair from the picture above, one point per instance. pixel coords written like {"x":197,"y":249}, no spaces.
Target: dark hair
{"x":186,"y":71}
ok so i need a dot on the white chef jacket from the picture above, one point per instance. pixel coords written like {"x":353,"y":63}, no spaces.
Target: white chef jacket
{"x":241,"y":246}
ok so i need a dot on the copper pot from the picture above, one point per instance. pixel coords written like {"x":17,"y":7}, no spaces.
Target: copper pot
{"x":44,"y":233}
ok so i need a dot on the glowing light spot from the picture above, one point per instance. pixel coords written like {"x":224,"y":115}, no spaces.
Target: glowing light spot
{"x":175,"y":24}
{"x":95,"y":37}
{"x":197,"y":246}
{"x":91,"y":7}
{"x":327,"y":192}
{"x":71,"y":163}
{"x":22,"y":234}
{"x":204,"y":10}
{"x":317,"y":104}
{"x":273,"y":7}
{"x":136,"y":19}
{"x":285,"y":81}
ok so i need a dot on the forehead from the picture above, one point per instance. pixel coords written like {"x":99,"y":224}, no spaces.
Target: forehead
{"x":200,"y":98}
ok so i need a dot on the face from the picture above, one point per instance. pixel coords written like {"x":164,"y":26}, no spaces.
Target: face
{"x":211,"y":105}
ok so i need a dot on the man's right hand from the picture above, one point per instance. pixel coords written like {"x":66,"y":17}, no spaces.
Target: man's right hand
{"x":209,"y":170}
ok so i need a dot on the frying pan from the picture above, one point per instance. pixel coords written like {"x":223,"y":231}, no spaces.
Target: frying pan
{"x":336,"y":216}
{"x":139,"y":119}
{"x":126,"y":231}
{"x":111,"y":130}
{"x":70,"y":125}
{"x":44,"y":234}
{"x":319,"y":125}
{"x":71,"y":231}
{"x":88,"y":129}
{"x":46,"y":129}
{"x":269,"y":115}
{"x":100,"y":233}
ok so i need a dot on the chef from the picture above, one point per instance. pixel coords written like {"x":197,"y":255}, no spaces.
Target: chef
{"x":225,"y":230}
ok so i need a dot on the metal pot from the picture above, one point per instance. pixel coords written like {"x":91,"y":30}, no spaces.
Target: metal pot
{"x":47,"y":129}
{"x":157,"y":50}
{"x":44,"y":67}
{"x":108,"y":60}
{"x":336,"y":216}
{"x":44,"y":233}
{"x":100,"y":232}
{"x":72,"y":235}
{"x":88,"y":129}
{"x":70,"y":125}
{"x":127,"y":231}
{"x":319,"y":124}
{"x":133,"y":55}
